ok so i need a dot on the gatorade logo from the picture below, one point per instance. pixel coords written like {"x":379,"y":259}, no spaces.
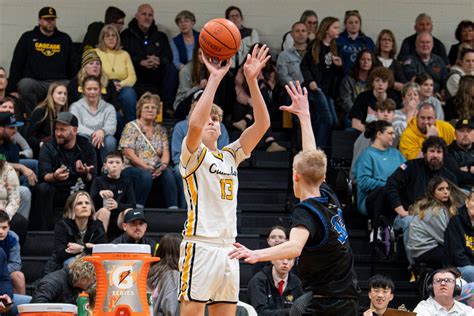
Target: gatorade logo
{"x":47,"y":49}
{"x":123,"y":277}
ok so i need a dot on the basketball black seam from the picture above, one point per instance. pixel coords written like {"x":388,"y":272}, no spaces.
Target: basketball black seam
{"x":220,"y":41}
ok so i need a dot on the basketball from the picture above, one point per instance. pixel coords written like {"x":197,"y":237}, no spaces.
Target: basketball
{"x":219,"y":39}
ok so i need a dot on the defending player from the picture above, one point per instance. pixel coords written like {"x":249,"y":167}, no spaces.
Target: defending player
{"x":207,"y":274}
{"x":318,"y":233}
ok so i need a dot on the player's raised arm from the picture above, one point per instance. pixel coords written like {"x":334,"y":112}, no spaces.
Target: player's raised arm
{"x":252,"y":67}
{"x":300,"y":108}
{"x":200,"y":116}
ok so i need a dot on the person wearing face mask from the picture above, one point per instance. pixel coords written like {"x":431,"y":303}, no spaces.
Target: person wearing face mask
{"x":353,"y":40}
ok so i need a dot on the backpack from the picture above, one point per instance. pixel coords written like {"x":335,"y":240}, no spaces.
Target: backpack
{"x":383,"y":241}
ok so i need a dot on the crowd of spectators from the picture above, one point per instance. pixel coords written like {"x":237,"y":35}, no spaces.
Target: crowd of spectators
{"x":74,"y":123}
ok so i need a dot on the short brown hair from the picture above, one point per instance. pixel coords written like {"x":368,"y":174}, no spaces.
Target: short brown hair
{"x":387,"y":104}
{"x":185,"y":14}
{"x":382,"y":73}
{"x":311,"y":165}
{"x":148,"y":97}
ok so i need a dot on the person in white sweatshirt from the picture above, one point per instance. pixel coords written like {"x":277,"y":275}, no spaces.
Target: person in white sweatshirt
{"x":97,"y":118}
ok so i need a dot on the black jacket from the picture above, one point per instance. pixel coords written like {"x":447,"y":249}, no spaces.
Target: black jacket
{"x":56,"y":287}
{"x":409,"y":182}
{"x":459,"y":240}
{"x":264,"y":296}
{"x":52,"y":155}
{"x":125,"y":239}
{"x":408,"y":48}
{"x":328,"y":77}
{"x":122,"y":189}
{"x":91,"y":39}
{"x":66,"y":231}
{"x":41,"y":57}
{"x":139,"y":45}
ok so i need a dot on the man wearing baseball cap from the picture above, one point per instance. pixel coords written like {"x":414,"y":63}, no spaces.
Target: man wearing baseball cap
{"x":41,"y":56}
{"x":460,"y":156}
{"x":66,"y":163}
{"x":135,"y":226}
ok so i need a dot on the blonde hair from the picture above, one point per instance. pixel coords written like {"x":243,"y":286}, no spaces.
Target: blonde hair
{"x":311,"y":165}
{"x":71,"y":204}
{"x":48,"y":103}
{"x":148,"y":97}
{"x":80,"y":269}
{"x":106,"y":29}
{"x":81,"y":75}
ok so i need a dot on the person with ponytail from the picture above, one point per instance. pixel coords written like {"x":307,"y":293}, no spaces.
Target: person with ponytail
{"x":377,"y":162}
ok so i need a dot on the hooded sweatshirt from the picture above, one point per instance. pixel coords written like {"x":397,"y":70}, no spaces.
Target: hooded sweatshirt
{"x":412,"y":138}
{"x":104,"y":118}
{"x":459,"y":240}
{"x":42,"y":57}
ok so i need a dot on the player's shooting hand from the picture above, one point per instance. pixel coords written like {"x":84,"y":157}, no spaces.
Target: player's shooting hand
{"x":255,"y":62}
{"x":299,"y":97}
{"x":242,"y":252}
{"x":216,"y":69}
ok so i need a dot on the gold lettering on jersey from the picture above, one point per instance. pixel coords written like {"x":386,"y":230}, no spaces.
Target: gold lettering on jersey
{"x":213,"y":168}
{"x":47,"y":49}
{"x":469,"y":242}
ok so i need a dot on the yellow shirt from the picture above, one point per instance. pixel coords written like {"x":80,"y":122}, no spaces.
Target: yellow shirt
{"x":117,"y":65}
{"x":412,"y":138}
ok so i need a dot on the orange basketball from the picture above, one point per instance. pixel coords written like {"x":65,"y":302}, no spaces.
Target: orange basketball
{"x":219,"y":39}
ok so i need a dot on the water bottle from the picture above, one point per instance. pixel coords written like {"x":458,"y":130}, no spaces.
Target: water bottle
{"x":83,"y":304}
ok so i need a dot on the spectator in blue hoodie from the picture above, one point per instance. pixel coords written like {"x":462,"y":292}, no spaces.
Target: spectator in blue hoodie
{"x":352,"y":40}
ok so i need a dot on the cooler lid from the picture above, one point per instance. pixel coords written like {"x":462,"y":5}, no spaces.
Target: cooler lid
{"x":47,"y":308}
{"x":121,"y":248}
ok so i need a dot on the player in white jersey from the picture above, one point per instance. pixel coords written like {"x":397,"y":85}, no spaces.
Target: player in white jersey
{"x":207,"y":275}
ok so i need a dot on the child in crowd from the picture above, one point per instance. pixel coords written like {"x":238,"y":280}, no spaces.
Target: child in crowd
{"x":112,"y":194}
{"x":9,"y":242}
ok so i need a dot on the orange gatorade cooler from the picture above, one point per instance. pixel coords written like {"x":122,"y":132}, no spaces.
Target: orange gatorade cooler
{"x":45,"y":309}
{"x":121,"y":274}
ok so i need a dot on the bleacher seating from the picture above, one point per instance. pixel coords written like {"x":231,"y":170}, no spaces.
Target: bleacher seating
{"x":264,"y":199}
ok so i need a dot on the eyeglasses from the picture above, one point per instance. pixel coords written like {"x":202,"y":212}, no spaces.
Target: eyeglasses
{"x":445,"y":280}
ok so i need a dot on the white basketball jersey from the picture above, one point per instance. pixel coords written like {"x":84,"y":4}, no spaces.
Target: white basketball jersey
{"x":210,"y":186}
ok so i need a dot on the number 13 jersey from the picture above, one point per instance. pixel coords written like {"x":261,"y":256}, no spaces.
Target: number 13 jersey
{"x":210,"y":186}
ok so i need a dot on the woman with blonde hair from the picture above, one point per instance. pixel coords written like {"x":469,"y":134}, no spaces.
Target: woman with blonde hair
{"x":431,"y":217}
{"x":118,"y":67}
{"x":42,"y":119}
{"x":78,"y":231}
{"x":144,"y":144}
